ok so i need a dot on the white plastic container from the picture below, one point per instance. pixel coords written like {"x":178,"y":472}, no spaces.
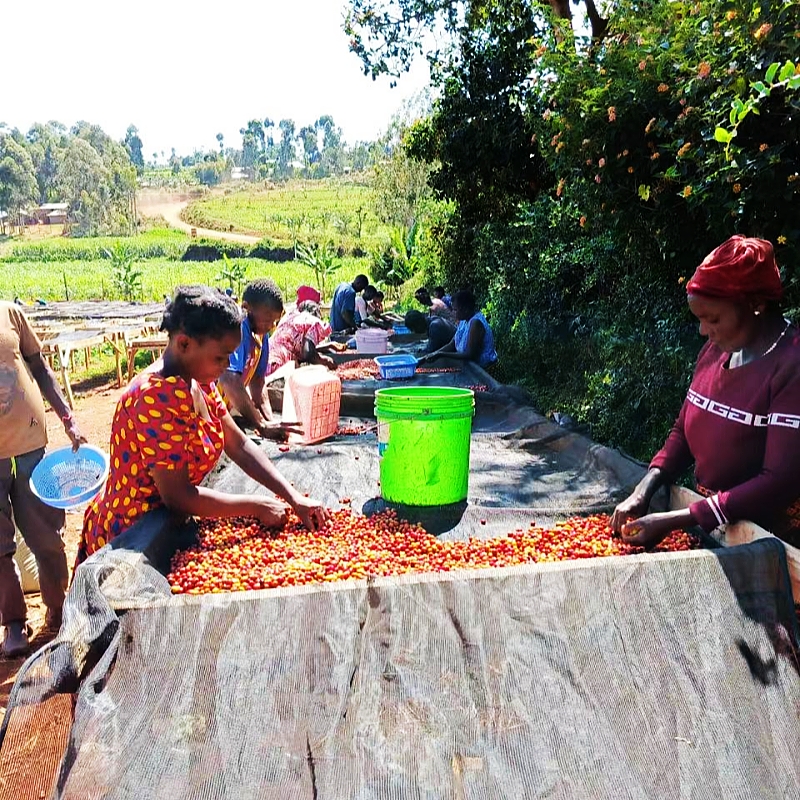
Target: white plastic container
{"x":316,"y":395}
{"x":374,"y":341}
{"x":26,"y":566}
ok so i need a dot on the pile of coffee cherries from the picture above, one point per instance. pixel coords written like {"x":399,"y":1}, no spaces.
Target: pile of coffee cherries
{"x":355,"y":430}
{"x":238,"y":554}
{"x":362,"y":369}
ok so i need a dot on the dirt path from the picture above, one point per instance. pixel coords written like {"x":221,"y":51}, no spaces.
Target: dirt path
{"x":170,"y":207}
{"x":94,"y":411}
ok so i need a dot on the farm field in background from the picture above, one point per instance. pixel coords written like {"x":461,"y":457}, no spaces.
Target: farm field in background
{"x":156,"y":243}
{"x":93,"y":280}
{"x":322,"y":211}
{"x":339,"y":211}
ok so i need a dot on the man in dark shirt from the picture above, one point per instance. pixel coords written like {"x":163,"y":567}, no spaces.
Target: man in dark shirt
{"x":343,"y":306}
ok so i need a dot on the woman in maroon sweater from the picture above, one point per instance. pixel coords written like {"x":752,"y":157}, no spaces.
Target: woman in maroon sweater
{"x":740,"y":422}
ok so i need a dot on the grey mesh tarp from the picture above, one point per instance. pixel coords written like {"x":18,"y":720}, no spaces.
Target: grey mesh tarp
{"x":654,"y":676}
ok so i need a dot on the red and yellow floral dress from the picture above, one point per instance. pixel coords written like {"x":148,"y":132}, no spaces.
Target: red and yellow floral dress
{"x":159,"y":422}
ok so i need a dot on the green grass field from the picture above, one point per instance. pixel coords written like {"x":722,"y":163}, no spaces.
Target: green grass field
{"x":157,"y":243}
{"x":92,"y":280}
{"x":309,"y":210}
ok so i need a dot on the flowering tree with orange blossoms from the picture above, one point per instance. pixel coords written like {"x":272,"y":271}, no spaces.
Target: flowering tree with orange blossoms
{"x":588,"y":177}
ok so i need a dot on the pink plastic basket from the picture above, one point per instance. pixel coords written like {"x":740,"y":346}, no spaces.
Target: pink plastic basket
{"x":317,"y":395}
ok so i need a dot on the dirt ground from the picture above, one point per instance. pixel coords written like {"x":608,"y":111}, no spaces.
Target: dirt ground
{"x":94,"y":408}
{"x":170,"y":205}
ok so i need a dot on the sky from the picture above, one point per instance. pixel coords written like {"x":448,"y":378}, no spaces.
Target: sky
{"x":184,"y":71}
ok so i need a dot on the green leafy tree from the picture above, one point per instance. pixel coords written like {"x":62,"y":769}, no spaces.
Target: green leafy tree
{"x":210,"y":169}
{"x":332,"y":155}
{"x":308,"y":138}
{"x":133,"y":144}
{"x":401,"y":187}
{"x":83,"y":181}
{"x":483,"y":134}
{"x":17,"y":178}
{"x":46,"y":145}
{"x":253,"y":144}
{"x":175,"y":162}
{"x":96,"y":177}
{"x":387,"y":35}
{"x":286,"y":153}
{"x":269,"y":141}
{"x":681,"y":126}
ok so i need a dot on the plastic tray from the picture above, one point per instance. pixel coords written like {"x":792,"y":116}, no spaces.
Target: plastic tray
{"x":396,"y":367}
{"x":401,"y":330}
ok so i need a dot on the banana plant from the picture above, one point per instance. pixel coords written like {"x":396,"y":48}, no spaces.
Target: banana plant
{"x":234,"y":273}
{"x":322,"y":259}
{"x":127,"y":279}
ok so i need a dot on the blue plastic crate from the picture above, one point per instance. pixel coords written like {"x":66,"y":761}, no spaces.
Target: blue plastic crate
{"x":401,"y":330}
{"x":396,"y":367}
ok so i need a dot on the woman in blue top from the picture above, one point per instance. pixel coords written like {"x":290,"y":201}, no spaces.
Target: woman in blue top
{"x":473,"y":340}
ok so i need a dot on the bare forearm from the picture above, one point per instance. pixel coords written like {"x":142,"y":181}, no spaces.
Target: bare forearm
{"x":254,"y":463}
{"x":650,"y":484}
{"x":456,"y":356}
{"x":261,"y":398}
{"x":50,"y":389}
{"x":242,"y":400}
{"x":682,"y":518}
{"x":448,"y":350}
{"x":198,"y":501}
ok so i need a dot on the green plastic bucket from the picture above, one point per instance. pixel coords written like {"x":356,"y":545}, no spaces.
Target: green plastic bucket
{"x":423,"y":440}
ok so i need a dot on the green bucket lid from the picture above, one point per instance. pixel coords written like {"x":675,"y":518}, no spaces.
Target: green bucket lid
{"x":424,"y":401}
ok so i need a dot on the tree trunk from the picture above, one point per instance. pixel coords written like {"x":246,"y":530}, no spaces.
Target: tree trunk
{"x":561,"y":9}
{"x":599,"y":25}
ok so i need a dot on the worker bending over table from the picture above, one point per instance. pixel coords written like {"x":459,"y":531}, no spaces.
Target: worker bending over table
{"x":242,"y":384}
{"x":740,"y":422}
{"x":343,"y":305}
{"x":300,"y":337}
{"x":171,"y":426}
{"x":473,"y":339}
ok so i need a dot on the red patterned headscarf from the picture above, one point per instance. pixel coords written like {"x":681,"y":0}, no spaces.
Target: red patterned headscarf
{"x":307,"y":293}
{"x":740,"y":267}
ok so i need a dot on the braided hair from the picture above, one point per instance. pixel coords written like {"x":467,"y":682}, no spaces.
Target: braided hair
{"x":201,"y":312}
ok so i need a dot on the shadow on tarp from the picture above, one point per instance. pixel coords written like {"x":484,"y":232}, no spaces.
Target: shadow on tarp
{"x":749,"y":569}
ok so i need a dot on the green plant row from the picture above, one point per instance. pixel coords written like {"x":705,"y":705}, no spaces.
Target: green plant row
{"x":98,"y":280}
{"x":157,"y":243}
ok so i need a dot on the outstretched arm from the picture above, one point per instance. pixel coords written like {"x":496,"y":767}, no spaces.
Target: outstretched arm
{"x":235,"y":390}
{"x":254,"y":462}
